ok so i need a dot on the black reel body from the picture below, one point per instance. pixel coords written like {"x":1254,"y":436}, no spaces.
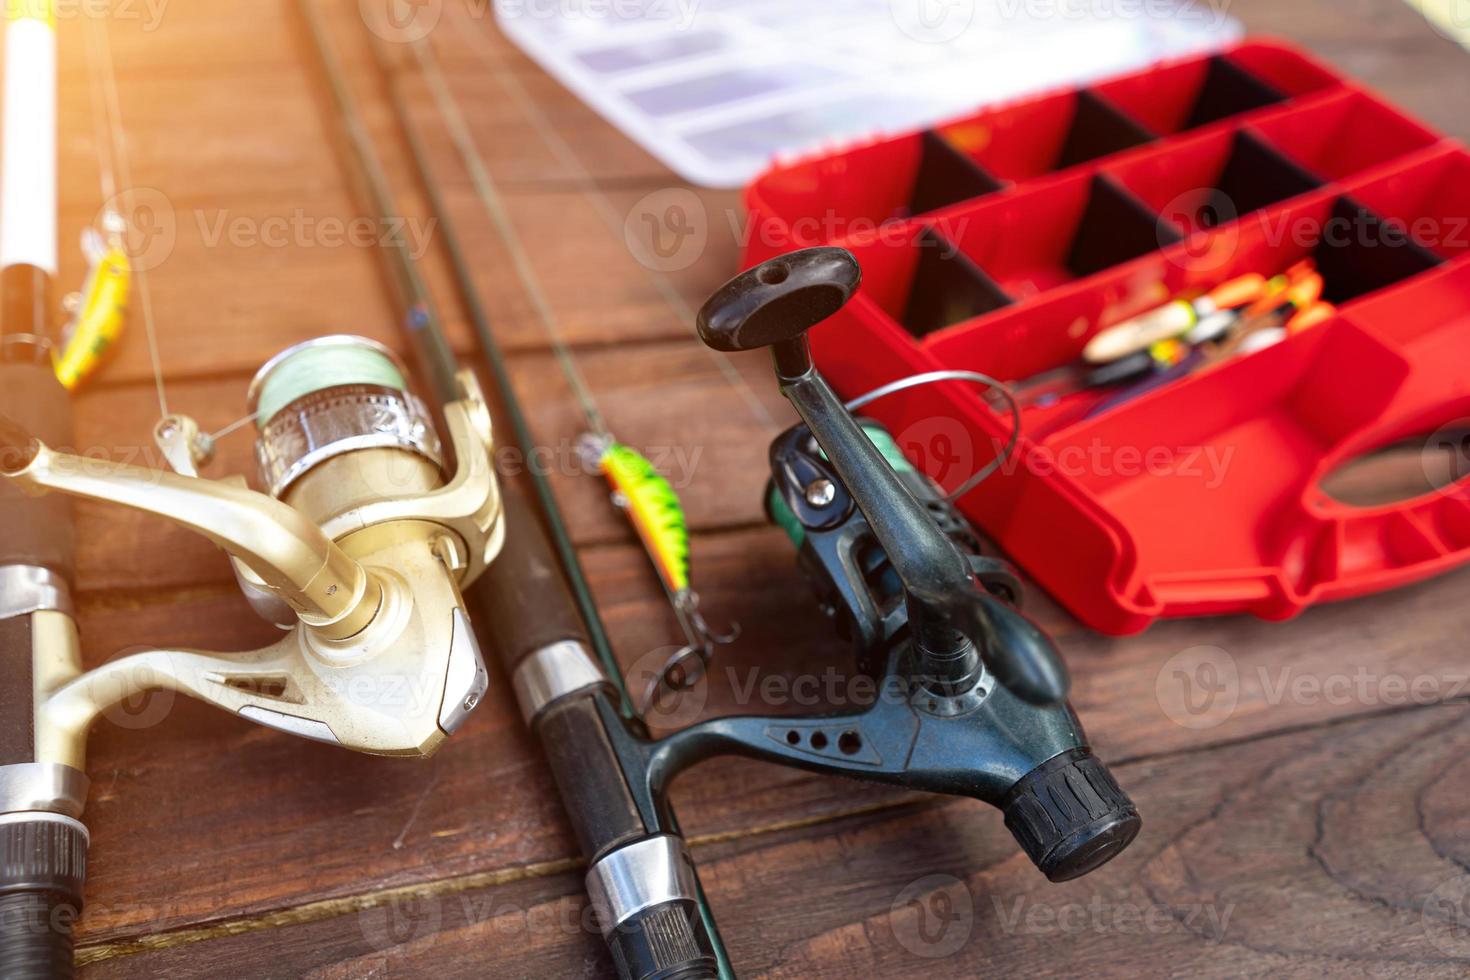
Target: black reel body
{"x":854,"y":582}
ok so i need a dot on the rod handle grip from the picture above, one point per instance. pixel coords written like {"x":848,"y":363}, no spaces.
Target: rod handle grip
{"x":664,"y":942}
{"x":43,"y":864}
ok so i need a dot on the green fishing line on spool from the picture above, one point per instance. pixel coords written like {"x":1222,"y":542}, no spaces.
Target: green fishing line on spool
{"x":318,"y":366}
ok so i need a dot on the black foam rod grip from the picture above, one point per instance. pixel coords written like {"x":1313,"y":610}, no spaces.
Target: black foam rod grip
{"x":524,"y":601}
{"x":36,"y":530}
{"x":43,"y":864}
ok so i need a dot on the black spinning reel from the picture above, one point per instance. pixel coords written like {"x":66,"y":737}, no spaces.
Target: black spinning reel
{"x":974,"y":694}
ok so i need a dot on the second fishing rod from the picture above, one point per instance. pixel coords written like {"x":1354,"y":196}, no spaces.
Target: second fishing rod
{"x":538,"y":617}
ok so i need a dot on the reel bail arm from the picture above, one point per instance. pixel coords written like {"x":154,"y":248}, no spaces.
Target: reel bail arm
{"x":327,"y":589}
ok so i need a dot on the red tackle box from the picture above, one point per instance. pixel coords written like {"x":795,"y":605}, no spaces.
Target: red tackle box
{"x":1001,"y":241}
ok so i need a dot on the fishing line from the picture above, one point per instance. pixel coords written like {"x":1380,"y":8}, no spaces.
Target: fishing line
{"x":587,"y":184}
{"x":100,"y":46}
{"x":239,"y":423}
{"x":485,"y":187}
{"x":935,"y":377}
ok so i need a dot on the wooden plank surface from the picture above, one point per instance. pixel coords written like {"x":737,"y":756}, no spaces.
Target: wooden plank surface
{"x":1335,"y":850}
{"x":1313,"y":815}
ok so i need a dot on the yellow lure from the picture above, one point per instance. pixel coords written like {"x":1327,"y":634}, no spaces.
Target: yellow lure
{"x":100,"y":314}
{"x":654,"y":509}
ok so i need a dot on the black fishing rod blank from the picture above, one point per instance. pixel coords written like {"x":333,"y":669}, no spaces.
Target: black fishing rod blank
{"x":641,"y":878}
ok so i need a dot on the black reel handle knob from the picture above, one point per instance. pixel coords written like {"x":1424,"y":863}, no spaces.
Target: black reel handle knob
{"x":779,"y":300}
{"x":1070,"y":815}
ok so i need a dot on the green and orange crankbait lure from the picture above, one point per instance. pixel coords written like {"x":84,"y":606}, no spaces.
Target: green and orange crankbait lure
{"x":654,"y":509}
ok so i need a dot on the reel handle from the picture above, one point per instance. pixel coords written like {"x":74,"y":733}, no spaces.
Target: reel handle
{"x":774,"y":304}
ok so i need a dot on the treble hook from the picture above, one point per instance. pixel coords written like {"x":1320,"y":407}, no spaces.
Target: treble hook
{"x":688,"y":665}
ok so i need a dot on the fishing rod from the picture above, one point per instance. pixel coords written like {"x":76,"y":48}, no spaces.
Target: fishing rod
{"x":974,"y":694}
{"x":43,"y":846}
{"x":357,"y":550}
{"x":534,"y":616}
{"x":638,"y":488}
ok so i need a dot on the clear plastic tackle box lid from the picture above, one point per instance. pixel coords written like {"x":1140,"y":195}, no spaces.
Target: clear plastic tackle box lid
{"x":719,"y":89}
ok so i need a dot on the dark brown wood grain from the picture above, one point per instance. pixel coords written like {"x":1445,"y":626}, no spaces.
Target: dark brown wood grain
{"x":1351,"y":828}
{"x":1315,"y":800}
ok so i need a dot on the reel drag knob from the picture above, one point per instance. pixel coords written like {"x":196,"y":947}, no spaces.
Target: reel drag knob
{"x":775,"y":303}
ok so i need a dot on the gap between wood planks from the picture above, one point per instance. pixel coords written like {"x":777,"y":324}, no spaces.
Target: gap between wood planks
{"x":324,"y":909}
{"x":333,"y":907}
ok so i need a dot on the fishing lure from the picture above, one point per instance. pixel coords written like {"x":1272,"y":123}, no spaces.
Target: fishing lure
{"x":99,"y":311}
{"x":652,"y":506}
{"x":654,"y":510}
